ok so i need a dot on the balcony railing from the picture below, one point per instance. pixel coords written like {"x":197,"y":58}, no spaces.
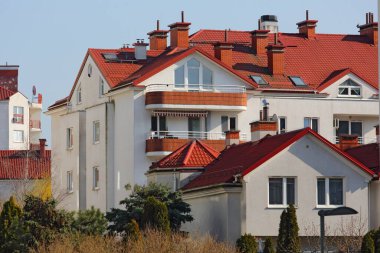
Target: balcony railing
{"x":191,"y":135}
{"x":361,"y":140}
{"x":35,"y":124}
{"x":196,"y":88}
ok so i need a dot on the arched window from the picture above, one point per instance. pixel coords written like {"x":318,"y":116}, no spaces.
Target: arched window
{"x":349,"y":88}
{"x":193,"y":75}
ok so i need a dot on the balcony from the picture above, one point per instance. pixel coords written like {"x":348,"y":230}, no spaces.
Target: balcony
{"x":35,"y":125}
{"x":361,"y":140}
{"x":164,"y":142}
{"x":210,"y":97}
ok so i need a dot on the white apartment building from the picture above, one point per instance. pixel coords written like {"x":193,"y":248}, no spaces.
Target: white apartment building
{"x":20,"y":119}
{"x":130,"y":107}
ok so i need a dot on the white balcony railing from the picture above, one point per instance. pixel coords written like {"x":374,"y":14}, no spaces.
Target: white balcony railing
{"x":191,"y":135}
{"x":196,"y":88}
{"x":361,"y":140}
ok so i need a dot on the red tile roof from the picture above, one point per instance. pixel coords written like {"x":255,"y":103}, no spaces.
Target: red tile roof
{"x":242,"y":159}
{"x":367,"y":154}
{"x":193,"y":154}
{"x":5,"y":94}
{"x":16,"y":164}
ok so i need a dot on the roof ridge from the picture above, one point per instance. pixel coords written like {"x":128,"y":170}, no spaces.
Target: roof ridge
{"x":209,"y":149}
{"x":189,"y":152}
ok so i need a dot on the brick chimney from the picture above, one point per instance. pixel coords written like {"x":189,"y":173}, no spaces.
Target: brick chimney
{"x":307,"y":27}
{"x":140,"y":49}
{"x":369,"y":29}
{"x":42,"y":148}
{"x":276,"y":61}
{"x":232,"y":137}
{"x":158,"y":38}
{"x":263,"y":127}
{"x":179,"y":33}
{"x":223,"y":50}
{"x":348,"y":141}
{"x":259,"y":41}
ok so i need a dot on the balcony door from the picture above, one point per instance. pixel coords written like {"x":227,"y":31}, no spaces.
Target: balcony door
{"x":194,"y":126}
{"x":350,"y":127}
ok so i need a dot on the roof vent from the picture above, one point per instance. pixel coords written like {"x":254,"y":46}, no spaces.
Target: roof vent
{"x":269,"y":22}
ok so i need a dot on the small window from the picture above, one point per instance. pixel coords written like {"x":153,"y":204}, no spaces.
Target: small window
{"x":297,"y":81}
{"x":101,"y":87}
{"x":89,"y":70}
{"x":349,"y":88}
{"x":18,"y":136}
{"x":312,"y":123}
{"x":70,"y":185}
{"x":330,"y":191}
{"x":282,"y":124}
{"x":18,"y":115}
{"x":282,"y":191}
{"x":179,"y":77}
{"x":95,"y":178}
{"x":69,"y":138}
{"x":153,"y":123}
{"x":96,"y":132}
{"x":232,"y":123}
{"x":258,"y":79}
{"x":79,"y":94}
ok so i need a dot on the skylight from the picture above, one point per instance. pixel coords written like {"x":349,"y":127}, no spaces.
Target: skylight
{"x":297,"y":81}
{"x":258,"y":79}
{"x":110,"y":57}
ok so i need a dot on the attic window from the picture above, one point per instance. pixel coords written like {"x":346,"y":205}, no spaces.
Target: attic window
{"x":258,"y":79}
{"x":349,"y":88}
{"x":110,"y":57}
{"x":297,"y":81}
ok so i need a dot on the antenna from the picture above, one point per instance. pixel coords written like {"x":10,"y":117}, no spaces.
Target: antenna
{"x":158,"y":24}
{"x":182,"y":16}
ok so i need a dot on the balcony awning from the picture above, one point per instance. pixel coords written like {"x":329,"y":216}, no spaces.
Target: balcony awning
{"x":194,"y":114}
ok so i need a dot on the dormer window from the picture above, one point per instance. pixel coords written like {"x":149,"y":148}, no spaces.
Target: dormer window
{"x":349,"y":89}
{"x":297,"y":81}
{"x":193,"y":75}
{"x":79,"y":94}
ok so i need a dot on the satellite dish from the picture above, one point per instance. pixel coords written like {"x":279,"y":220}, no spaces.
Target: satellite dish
{"x":265,"y":102}
{"x":34,"y":90}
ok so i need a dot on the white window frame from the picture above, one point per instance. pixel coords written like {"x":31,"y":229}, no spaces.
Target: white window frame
{"x":349,"y":87}
{"x":95,"y":178}
{"x":16,"y":133}
{"x":101,"y":87}
{"x":69,"y":138}
{"x":229,"y":122}
{"x":279,"y":124}
{"x":95,"y":137}
{"x":79,"y":94}
{"x":185,"y":85}
{"x":327,"y":193}
{"x":69,"y":182}
{"x":284,"y":193}
{"x":18,"y":117}
{"x":311,"y":122}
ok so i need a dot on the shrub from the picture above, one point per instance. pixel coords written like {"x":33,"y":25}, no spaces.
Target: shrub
{"x":155,"y":215}
{"x":368,"y":245}
{"x":90,"y":222}
{"x":133,"y":231}
{"x":268,"y":247}
{"x":288,"y":239}
{"x":376,"y":239}
{"x":246,"y":244}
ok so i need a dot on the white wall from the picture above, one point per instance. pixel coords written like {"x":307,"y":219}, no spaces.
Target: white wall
{"x":4,"y":124}
{"x":18,"y":100}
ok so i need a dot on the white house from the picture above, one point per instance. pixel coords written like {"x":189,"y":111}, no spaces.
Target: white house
{"x":130,"y":107}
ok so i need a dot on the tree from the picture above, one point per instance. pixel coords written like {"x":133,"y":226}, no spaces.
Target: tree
{"x":268,"y":246}
{"x":282,"y":232}
{"x":246,"y":244}
{"x":368,"y":245}
{"x":133,"y":231}
{"x":90,"y":222}
{"x":179,"y":211}
{"x":155,"y":215}
{"x":288,"y":239}
{"x":376,"y":239}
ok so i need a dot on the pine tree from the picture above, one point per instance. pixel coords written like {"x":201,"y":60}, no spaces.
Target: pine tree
{"x":268,"y":246}
{"x":90,"y":222}
{"x":282,"y":232}
{"x":292,"y":240}
{"x":246,"y":244}
{"x":368,"y":245}
{"x":156,"y":215}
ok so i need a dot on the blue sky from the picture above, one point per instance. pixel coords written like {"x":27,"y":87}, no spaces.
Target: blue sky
{"x":49,"y":39}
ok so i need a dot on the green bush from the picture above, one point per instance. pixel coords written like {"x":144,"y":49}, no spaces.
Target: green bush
{"x":155,"y":215}
{"x":90,"y":222}
{"x":368,"y":245}
{"x":376,"y":239}
{"x":133,"y":231}
{"x":268,"y":247}
{"x":246,"y":244}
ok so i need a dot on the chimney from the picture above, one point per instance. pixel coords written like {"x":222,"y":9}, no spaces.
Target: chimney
{"x":276,"y":61}
{"x":348,"y":141}
{"x":307,"y":27}
{"x":263,"y":127}
{"x":223,"y":50}
{"x":232,"y":137}
{"x":42,"y":148}
{"x":269,"y":22}
{"x":9,"y":77}
{"x":369,"y":29}
{"x":259,"y":41}
{"x":158,"y":38}
{"x":179,"y":33}
{"x":39,"y":99}
{"x":140,"y":49}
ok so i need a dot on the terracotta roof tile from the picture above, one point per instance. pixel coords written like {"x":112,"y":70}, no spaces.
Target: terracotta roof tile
{"x":367,"y":154}
{"x":5,"y":94}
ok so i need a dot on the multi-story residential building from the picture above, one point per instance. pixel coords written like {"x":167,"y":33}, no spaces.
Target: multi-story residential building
{"x":20,"y":119}
{"x":130,"y":107}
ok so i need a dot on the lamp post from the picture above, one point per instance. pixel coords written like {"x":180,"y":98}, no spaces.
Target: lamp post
{"x":332,"y":212}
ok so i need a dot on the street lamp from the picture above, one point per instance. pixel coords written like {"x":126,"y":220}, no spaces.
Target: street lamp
{"x":332,"y":212}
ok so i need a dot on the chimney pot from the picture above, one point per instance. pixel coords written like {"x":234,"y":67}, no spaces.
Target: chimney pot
{"x":158,"y":38}
{"x":232,"y":137}
{"x":223,"y":51}
{"x":348,"y":141}
{"x":276,"y":60}
{"x":140,"y":49}
{"x":370,"y":29}
{"x":259,"y":41}
{"x":179,"y":33}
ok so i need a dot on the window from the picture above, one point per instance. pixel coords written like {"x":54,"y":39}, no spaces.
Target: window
{"x":258,"y":79}
{"x":69,"y":138}
{"x":101,"y":87}
{"x":350,"y":128}
{"x":349,"y":89}
{"x":232,"y":123}
{"x":110,"y":57}
{"x":70,"y":181}
{"x":96,"y":132}
{"x":179,"y":77}
{"x":158,"y":126}
{"x":282,"y":124}
{"x":224,"y":123}
{"x":330,"y":191}
{"x":89,"y":70}
{"x":18,"y":114}
{"x":18,"y":136}
{"x":297,"y":81}
{"x":228,"y":123}
{"x":193,"y":67}
{"x":282,"y":191}
{"x":312,"y":123}
{"x":95,"y":178}
{"x":207,"y":75}
{"x":193,"y":75}
{"x":79,"y":94}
